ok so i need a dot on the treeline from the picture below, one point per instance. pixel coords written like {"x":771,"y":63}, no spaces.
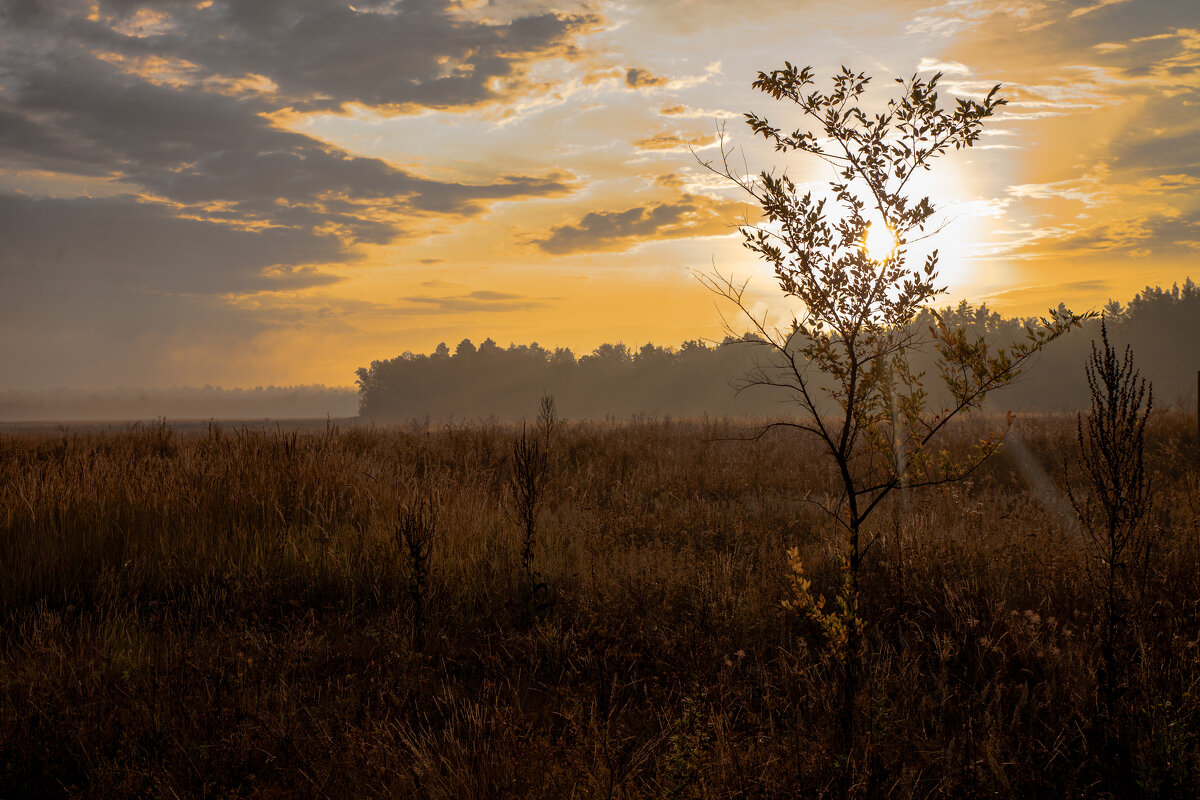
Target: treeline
{"x":615,"y":381}
{"x":1161,"y":325}
{"x":611,"y":381}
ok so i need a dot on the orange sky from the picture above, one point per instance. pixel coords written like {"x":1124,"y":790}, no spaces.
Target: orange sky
{"x":245,"y":193}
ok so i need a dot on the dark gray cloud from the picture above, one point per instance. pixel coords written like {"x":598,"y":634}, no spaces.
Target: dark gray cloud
{"x":196,"y":147}
{"x":146,"y":248}
{"x":693,"y":215}
{"x":66,"y":325}
{"x":117,"y":291}
{"x":70,"y":106}
{"x":638,"y":78}
{"x":324,"y":54}
{"x":601,"y":230}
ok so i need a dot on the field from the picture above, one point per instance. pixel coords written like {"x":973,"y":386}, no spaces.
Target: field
{"x":231,"y":612}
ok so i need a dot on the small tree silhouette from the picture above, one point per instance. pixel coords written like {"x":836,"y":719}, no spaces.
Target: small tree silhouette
{"x":1113,"y":508}
{"x":844,"y":358}
{"x":527,"y":484}
{"x":416,"y":528}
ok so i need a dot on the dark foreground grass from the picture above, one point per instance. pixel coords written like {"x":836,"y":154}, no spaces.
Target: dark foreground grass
{"x":229,"y":613}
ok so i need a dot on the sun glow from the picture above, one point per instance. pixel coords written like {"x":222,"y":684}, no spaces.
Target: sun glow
{"x":879,"y":241}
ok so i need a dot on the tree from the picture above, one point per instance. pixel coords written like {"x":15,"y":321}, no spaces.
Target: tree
{"x":845,"y":356}
{"x":1112,"y":510}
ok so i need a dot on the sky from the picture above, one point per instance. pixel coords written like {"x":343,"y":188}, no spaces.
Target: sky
{"x":253,"y":192}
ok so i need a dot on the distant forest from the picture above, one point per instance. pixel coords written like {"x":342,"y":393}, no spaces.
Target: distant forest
{"x":615,"y":381}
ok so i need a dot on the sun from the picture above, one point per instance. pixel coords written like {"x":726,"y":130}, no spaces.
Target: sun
{"x":879,"y":241}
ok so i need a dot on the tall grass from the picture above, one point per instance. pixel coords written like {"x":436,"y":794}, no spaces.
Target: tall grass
{"x":230,"y":612}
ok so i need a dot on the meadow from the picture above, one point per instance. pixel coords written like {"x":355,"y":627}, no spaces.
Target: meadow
{"x":232,"y":612}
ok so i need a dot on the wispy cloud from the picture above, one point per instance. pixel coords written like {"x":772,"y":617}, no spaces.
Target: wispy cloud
{"x":1079,"y":12}
{"x":472,"y":302}
{"x":676,"y":142}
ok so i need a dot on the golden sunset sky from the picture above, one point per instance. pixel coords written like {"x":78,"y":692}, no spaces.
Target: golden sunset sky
{"x":278,"y":192}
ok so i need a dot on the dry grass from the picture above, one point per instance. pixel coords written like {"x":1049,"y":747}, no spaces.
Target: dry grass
{"x":227,"y":613}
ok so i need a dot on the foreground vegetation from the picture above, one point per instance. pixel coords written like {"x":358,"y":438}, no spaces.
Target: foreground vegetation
{"x":234,"y":613}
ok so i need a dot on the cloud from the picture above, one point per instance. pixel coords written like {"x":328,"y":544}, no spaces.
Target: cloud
{"x":1088,"y":190}
{"x":146,"y":248}
{"x":209,"y":212}
{"x":1079,"y":12}
{"x":1146,"y":233}
{"x":693,"y":215}
{"x":638,"y":78}
{"x":1038,"y":293}
{"x":83,"y":93}
{"x":641,"y":78}
{"x":217,"y":202}
{"x":1166,"y":142}
{"x":1050,"y":37}
{"x":675,"y":142}
{"x":1103,"y":98}
{"x":680,"y":110}
{"x":113,"y":291}
{"x":471,"y":302}
{"x":399,"y":54}
{"x":1152,"y":234}
{"x":107,"y":292}
{"x":195,"y":147}
{"x":671,"y":180}
{"x":953,"y":68}
{"x":952,"y":17}
{"x":691,"y":17}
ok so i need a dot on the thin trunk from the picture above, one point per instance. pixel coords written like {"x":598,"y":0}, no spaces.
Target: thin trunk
{"x":853,"y":653}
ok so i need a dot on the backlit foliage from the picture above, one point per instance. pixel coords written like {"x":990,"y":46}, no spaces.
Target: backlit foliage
{"x":845,"y":358}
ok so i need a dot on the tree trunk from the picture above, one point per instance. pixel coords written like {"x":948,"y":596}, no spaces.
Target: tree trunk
{"x":853,"y":659}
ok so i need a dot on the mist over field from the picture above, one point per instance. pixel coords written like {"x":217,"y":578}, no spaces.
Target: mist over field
{"x":184,"y":403}
{"x":485,"y":380}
